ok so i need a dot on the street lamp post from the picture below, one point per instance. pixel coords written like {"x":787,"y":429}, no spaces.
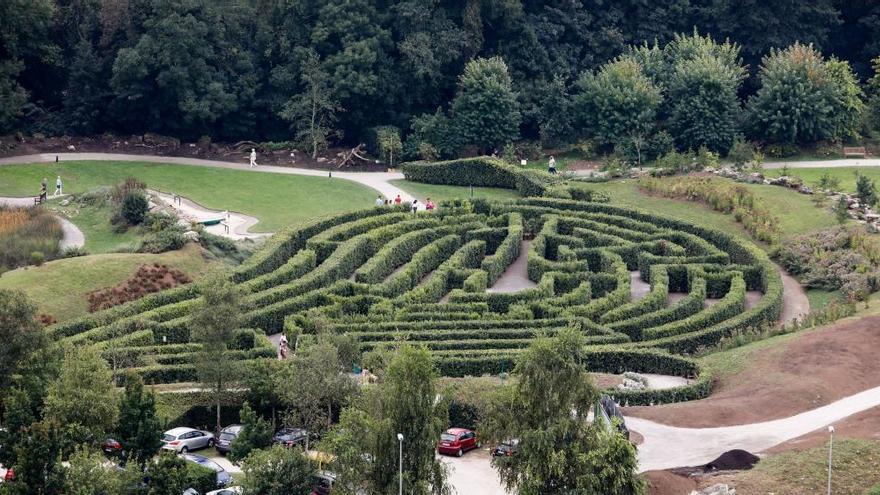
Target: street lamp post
{"x":830,"y":447}
{"x":400,"y":475}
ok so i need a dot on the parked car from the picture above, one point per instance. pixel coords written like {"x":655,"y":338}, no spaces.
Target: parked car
{"x":507,"y":448}
{"x":290,"y":437}
{"x":323,"y":484}
{"x":232,"y":490}
{"x":223,"y":478}
{"x":226,"y":437}
{"x":183,"y":439}
{"x":457,"y":441}
{"x":111,"y":446}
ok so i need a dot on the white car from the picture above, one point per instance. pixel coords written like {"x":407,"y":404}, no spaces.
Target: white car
{"x":232,"y":490}
{"x":183,"y":440}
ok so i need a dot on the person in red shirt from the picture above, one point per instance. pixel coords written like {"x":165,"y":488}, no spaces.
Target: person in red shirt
{"x":429,"y":205}
{"x":397,"y":200}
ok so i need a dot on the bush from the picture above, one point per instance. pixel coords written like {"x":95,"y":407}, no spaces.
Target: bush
{"x":37,"y":258}
{"x":134,"y":207}
{"x":480,"y":171}
{"x":160,"y":242}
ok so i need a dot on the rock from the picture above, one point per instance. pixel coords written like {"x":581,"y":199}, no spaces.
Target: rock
{"x":183,"y":223}
{"x":191,"y":235}
{"x":321,"y":159}
{"x":71,"y":147}
{"x":39,"y":136}
{"x":64,"y":202}
{"x":159,"y":140}
{"x":719,"y":489}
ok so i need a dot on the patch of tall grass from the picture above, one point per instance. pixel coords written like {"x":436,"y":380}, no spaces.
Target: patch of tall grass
{"x":25,"y":232}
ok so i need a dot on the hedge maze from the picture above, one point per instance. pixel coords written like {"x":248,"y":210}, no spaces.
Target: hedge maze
{"x":385,"y":275}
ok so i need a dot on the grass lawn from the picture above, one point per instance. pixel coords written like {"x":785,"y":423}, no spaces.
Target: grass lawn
{"x":798,"y":472}
{"x":441,"y":192}
{"x":59,"y":287}
{"x":277,"y":200}
{"x":94,"y":221}
{"x":795,"y":211}
{"x":820,"y":298}
{"x":846,"y":175}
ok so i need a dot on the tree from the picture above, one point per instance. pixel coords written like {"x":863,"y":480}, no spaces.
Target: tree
{"x":89,"y":474}
{"x":260,"y":381}
{"x":312,"y":387}
{"x":547,"y":409}
{"x":214,"y":320}
{"x":798,"y":99}
{"x":404,"y":402}
{"x":139,"y":430}
{"x":485,"y":111}
{"x":277,"y":471}
{"x":18,"y":414}
{"x":83,"y":399}
{"x":20,"y":333}
{"x":556,"y":123}
{"x":38,"y":468}
{"x":828,"y":182}
{"x":312,"y":113}
{"x":841,"y":210}
{"x":874,"y":95}
{"x":849,"y":111}
{"x":866,"y":190}
{"x":388,"y":139}
{"x":134,"y":207}
{"x":256,"y":433}
{"x":170,"y":474}
{"x":703,"y":81}
{"x":617,"y":103}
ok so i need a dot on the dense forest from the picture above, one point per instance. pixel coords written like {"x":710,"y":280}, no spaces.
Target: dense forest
{"x":321,"y":71}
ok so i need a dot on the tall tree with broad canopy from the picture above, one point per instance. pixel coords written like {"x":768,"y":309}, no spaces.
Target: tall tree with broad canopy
{"x":313,"y":112}
{"x":618,"y":103}
{"x":215,"y":319}
{"x":83,"y":399}
{"x":278,"y":471}
{"x":547,"y":410}
{"x":20,"y":333}
{"x":365,"y":439}
{"x":798,"y":99}
{"x":485,"y":111}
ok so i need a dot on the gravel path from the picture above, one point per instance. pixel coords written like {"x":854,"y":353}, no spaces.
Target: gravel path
{"x":380,"y":181}
{"x":516,"y":277}
{"x":234,"y":226}
{"x":73,"y":237}
{"x":864,"y":162}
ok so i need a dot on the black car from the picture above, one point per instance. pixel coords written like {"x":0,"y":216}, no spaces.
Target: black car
{"x":226,"y":437}
{"x":290,"y":437}
{"x":506,"y":448}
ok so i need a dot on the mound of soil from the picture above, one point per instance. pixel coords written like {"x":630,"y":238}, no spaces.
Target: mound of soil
{"x":666,"y":483}
{"x":147,"y":279}
{"x":736,"y":459}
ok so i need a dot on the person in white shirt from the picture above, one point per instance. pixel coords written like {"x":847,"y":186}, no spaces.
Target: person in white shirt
{"x":253,"y":158}
{"x":58,"y":187}
{"x":380,"y":201}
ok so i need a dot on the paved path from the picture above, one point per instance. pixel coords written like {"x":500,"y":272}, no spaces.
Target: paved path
{"x":235,"y":225}
{"x":516,"y":277}
{"x":73,"y":237}
{"x":379,"y":181}
{"x":668,"y":447}
{"x":865,"y":162}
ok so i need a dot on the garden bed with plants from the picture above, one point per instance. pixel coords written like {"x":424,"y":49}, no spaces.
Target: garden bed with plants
{"x":385,"y":275}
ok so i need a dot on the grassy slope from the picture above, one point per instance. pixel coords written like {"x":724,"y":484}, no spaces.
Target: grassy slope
{"x":441,"y":192}
{"x":847,"y":175}
{"x":95,"y":225}
{"x":277,"y":200}
{"x":59,"y":288}
{"x":795,"y":473}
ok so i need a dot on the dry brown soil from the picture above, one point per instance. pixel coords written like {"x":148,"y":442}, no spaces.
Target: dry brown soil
{"x":804,"y":373}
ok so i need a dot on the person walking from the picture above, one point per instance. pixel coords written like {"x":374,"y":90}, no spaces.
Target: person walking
{"x":43,"y":191}
{"x":397,"y":200}
{"x":380,"y":201}
{"x":429,"y":205}
{"x":253,"y":158}
{"x":551,"y":165}
{"x":58,"y":187}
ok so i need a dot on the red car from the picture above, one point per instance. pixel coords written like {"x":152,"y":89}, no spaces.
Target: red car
{"x":111,"y":446}
{"x":457,"y":441}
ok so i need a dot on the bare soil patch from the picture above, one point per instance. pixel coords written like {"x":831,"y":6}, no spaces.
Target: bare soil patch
{"x":666,"y":483}
{"x":812,"y":370}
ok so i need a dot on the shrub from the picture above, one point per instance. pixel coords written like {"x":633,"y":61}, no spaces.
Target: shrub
{"x":160,"y":242}
{"x":134,"y":207}
{"x":480,"y":171}
{"x":37,"y":258}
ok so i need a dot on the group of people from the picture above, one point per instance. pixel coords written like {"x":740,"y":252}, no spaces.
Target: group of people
{"x":44,"y":185}
{"x":415,"y":205}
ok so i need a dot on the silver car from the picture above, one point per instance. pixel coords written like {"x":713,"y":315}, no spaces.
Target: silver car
{"x":184,"y":439}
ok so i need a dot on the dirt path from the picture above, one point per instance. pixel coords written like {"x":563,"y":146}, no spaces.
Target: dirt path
{"x":794,"y":298}
{"x":73,"y":237}
{"x":380,"y":181}
{"x":516,"y":277}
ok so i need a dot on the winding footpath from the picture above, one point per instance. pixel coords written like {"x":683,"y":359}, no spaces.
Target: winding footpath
{"x":380,"y":181}
{"x":73,"y":237}
{"x":863,"y":162}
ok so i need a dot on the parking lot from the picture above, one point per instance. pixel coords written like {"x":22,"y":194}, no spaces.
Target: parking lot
{"x":472,"y":474}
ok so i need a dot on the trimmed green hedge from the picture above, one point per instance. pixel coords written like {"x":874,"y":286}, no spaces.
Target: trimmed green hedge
{"x":479,"y":171}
